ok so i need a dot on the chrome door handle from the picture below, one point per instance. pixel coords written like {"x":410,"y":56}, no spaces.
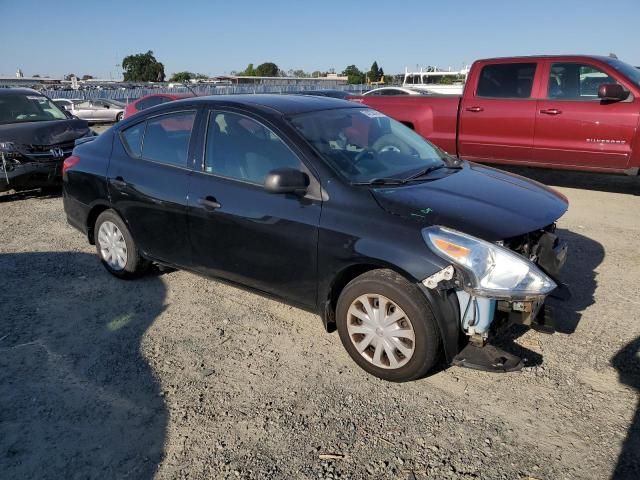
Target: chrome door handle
{"x":551,"y":111}
{"x":474,"y":109}
{"x":209,"y":202}
{"x":118,"y":182}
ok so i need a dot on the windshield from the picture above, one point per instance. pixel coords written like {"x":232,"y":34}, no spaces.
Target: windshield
{"x":28,"y":108}
{"x":632,"y":73}
{"x":363,"y":144}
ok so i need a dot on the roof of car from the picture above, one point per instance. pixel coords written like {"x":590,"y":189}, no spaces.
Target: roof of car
{"x":285,"y":104}
{"x":18,"y":91}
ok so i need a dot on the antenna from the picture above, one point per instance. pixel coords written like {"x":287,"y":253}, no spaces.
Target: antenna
{"x":190,"y":89}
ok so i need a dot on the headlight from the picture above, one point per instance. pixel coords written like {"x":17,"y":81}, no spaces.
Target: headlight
{"x":490,"y":270}
{"x":7,"y":147}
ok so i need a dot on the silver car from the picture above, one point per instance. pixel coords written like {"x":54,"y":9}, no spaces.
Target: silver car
{"x":94,"y":111}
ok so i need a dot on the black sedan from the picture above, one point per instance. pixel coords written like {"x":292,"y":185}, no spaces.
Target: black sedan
{"x":35,"y":137}
{"x":413,"y":255}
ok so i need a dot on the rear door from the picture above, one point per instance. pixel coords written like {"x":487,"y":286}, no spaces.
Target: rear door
{"x":574,"y":128}
{"x":497,"y":120}
{"x":148,"y":180}
{"x":238,"y":230}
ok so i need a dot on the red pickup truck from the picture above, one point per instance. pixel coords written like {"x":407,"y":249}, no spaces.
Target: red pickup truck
{"x":567,"y":112}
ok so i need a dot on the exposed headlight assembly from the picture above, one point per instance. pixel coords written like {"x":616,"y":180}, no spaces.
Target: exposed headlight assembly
{"x":489,"y":270}
{"x":7,"y":147}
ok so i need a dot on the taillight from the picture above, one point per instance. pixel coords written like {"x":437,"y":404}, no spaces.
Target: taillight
{"x":70,"y":162}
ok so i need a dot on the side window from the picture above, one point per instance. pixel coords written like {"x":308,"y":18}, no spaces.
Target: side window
{"x":241,"y":148}
{"x":506,"y":80}
{"x":132,"y":139}
{"x":575,"y":81}
{"x":166,"y":138}
{"x":150,"y":102}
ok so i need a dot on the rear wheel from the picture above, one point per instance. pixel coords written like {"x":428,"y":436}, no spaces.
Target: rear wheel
{"x":116,"y":248}
{"x":387,"y":327}
{"x":119,"y":116}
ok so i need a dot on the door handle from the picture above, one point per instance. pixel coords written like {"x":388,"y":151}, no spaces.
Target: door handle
{"x":474,"y":109}
{"x":209,"y":202}
{"x":551,"y":111}
{"x":118,"y":182}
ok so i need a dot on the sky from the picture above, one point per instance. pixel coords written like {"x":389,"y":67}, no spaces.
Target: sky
{"x":58,"y":37}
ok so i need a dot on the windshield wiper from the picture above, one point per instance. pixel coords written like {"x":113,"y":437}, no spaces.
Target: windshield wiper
{"x":382,"y":181}
{"x":424,"y":171}
{"x":428,"y":170}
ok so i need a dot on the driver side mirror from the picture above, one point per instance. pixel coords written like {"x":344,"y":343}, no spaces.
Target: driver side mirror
{"x":286,"y":180}
{"x":612,"y":92}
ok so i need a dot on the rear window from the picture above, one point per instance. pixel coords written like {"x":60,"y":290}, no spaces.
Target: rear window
{"x":166,"y":138}
{"x":506,"y":80}
{"x":163,"y":139}
{"x":151,"y":102}
{"x":132,"y":139}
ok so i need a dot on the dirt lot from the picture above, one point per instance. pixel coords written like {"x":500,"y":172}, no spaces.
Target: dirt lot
{"x":177,"y":376}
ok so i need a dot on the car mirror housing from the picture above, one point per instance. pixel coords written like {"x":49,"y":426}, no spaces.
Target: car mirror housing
{"x":286,"y":180}
{"x":612,"y":92}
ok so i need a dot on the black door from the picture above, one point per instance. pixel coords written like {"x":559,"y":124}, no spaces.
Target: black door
{"x":148,"y":180}
{"x":238,"y":230}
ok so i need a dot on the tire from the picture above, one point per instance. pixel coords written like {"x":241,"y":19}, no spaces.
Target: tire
{"x":401,"y":297}
{"x":126,"y":262}
{"x":119,"y":116}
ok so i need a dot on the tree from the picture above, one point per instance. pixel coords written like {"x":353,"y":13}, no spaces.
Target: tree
{"x":69,"y":76}
{"x":249,"y":71}
{"x":268,"y":69}
{"x":300,"y":74}
{"x":354,"y":75}
{"x":37,"y":75}
{"x":374,"y":73}
{"x":142,"y":67}
{"x":181,"y":77}
{"x":87,"y":77}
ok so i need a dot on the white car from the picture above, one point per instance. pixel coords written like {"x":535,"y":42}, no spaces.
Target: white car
{"x":394,"y":91}
{"x":93,"y":111}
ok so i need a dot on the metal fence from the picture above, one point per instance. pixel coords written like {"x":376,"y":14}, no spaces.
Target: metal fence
{"x":129,"y":94}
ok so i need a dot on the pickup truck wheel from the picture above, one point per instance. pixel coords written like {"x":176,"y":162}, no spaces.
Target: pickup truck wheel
{"x":386,"y":325}
{"x":116,"y":248}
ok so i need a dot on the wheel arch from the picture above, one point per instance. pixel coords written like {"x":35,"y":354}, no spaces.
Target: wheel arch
{"x":444,"y":304}
{"x":95,"y":211}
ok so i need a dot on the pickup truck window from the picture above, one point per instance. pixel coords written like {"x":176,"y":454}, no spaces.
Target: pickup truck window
{"x":632,"y":73}
{"x":506,"y":80}
{"x":575,"y":81}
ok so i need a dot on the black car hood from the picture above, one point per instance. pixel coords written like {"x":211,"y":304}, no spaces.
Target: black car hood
{"x":44,"y":133}
{"x":478,"y":200}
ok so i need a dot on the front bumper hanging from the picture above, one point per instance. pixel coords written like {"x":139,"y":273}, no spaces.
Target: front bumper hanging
{"x":481,"y":317}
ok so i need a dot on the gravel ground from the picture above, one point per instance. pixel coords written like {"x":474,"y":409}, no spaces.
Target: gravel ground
{"x":177,"y":376}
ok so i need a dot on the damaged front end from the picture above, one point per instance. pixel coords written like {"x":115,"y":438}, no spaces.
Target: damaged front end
{"x":31,"y":166}
{"x":497,"y":284}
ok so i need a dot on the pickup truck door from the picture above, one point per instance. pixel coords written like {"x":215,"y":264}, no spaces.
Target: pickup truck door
{"x":574,"y":128}
{"x":497,"y":119}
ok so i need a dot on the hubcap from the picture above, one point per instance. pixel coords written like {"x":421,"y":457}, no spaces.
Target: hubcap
{"x":380,"y":331}
{"x":113,"y":248}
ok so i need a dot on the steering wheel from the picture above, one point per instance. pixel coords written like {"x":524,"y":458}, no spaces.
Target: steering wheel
{"x":391,"y":143}
{"x":367,"y":152}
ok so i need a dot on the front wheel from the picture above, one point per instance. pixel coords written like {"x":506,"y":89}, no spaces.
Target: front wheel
{"x":386,"y":325}
{"x":115,"y":246}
